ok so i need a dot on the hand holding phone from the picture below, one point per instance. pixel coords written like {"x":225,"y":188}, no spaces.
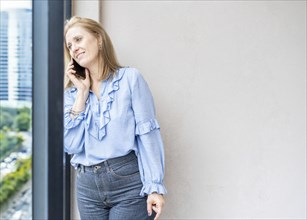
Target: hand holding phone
{"x":80,"y":70}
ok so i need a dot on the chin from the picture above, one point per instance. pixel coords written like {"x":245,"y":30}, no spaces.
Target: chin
{"x":83,"y":64}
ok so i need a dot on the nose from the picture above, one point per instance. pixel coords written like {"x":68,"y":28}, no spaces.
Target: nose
{"x":74,"y":48}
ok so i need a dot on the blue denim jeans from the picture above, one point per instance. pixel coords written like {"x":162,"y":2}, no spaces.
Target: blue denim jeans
{"x":110,"y":190}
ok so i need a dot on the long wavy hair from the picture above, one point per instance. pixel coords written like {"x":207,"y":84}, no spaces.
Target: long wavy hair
{"x":107,"y":55}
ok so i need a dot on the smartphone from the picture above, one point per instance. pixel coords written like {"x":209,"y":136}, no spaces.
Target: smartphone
{"x":80,"y":70}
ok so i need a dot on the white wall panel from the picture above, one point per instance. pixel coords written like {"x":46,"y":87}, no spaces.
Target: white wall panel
{"x":229,"y":82}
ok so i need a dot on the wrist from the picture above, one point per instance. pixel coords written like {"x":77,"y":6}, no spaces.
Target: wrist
{"x":156,"y":193}
{"x":82,"y":94}
{"x":75,"y":112}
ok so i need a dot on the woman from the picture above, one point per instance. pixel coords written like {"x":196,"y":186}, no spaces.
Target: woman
{"x":111,"y":130}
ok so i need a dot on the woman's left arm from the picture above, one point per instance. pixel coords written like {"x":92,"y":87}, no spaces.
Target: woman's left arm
{"x":150,"y":145}
{"x":151,"y":163}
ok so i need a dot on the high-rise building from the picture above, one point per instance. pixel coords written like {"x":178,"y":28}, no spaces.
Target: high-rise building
{"x":4,"y":55}
{"x":16,"y":56}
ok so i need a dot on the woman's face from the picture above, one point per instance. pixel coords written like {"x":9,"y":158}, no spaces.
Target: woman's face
{"x":83,"y":46}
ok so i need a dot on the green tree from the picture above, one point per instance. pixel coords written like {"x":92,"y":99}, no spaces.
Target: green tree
{"x":12,"y":182}
{"x":11,"y":111}
{"x":22,"y":122}
{"x":6,"y":120}
{"x":24,"y":110}
{"x":9,"y":143}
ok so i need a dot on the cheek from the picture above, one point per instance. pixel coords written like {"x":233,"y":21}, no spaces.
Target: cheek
{"x":94,"y":51}
{"x":69,"y":51}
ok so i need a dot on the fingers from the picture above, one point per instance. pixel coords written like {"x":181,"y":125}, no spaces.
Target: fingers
{"x":156,"y":207}
{"x":70,"y":73}
{"x":149,"y":208}
{"x":70,"y":70}
{"x":155,"y":202}
{"x":158,"y":211}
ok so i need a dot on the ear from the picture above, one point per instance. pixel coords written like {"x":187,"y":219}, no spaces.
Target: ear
{"x":99,"y":39}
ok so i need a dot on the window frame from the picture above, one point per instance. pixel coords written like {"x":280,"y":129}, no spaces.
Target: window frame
{"x":50,"y":166}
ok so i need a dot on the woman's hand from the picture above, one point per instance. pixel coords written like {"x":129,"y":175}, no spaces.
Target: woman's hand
{"x":155,"y":202}
{"x":83,"y":85}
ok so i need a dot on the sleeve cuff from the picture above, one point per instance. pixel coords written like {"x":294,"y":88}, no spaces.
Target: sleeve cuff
{"x":146,"y":127}
{"x":149,"y":188}
{"x":71,"y":123}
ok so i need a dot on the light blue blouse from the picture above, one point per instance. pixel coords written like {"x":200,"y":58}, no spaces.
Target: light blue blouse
{"x":122,"y":120}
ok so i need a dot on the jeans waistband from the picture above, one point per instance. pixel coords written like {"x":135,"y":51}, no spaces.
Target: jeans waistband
{"x":109,"y":162}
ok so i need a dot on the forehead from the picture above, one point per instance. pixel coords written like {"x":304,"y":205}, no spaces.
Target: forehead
{"x":76,"y":31}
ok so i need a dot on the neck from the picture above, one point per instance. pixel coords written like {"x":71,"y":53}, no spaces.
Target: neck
{"x":95,"y":71}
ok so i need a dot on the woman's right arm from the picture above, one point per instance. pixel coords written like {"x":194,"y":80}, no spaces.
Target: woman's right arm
{"x":75,"y":112}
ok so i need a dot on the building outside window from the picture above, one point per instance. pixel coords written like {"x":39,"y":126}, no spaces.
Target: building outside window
{"x":15,"y":109}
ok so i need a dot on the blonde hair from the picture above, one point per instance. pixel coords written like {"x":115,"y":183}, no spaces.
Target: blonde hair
{"x":106,"y":55}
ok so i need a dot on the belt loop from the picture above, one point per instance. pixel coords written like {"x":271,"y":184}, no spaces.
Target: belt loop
{"x":106,"y":165}
{"x":82,"y":169}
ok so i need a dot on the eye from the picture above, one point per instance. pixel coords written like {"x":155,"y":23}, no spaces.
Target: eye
{"x":69,"y":46}
{"x":78,"y":39}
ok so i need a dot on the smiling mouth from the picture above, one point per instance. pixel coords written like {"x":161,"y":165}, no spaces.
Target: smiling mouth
{"x":79,"y":55}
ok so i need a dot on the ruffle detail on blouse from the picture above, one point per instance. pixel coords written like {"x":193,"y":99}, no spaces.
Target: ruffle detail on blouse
{"x":146,"y":127}
{"x":149,"y":188}
{"x":91,"y":125}
{"x":99,"y":130}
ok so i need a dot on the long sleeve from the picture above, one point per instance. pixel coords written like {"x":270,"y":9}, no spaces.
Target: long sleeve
{"x":73,"y":128}
{"x":149,"y":141}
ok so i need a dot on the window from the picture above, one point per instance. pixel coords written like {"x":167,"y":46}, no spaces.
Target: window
{"x":31,"y":103}
{"x":16,"y":110}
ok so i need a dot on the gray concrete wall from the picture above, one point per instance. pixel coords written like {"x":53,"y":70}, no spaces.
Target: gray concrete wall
{"x":229,"y":82}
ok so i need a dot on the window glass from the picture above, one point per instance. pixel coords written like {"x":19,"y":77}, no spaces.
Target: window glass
{"x":15,"y":109}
